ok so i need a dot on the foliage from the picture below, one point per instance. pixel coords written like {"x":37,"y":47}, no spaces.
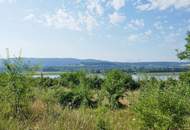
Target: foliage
{"x":185,"y":77}
{"x":102,"y":123}
{"x":78,"y":96}
{"x":17,"y":89}
{"x":164,"y":108}
{"x":71,"y":79}
{"x":46,"y":82}
{"x":95,"y":82}
{"x":115,"y":85}
{"x":186,"y":53}
{"x":78,"y":100}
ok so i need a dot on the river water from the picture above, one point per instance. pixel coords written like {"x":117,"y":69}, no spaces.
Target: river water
{"x":141,"y":76}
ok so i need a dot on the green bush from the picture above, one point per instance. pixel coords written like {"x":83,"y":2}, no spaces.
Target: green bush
{"x":164,"y":108}
{"x":185,"y":77}
{"x":71,"y":79}
{"x":46,"y":82}
{"x":115,"y":85}
{"x":76,"y":97}
{"x":70,"y":99}
{"x":95,"y":82}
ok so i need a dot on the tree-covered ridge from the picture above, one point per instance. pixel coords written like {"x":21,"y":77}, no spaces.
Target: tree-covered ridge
{"x":98,"y":66}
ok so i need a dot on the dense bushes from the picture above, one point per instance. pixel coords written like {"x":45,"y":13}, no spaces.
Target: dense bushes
{"x":185,"y":77}
{"x":89,"y":90}
{"x":76,"y":97}
{"x":71,"y":79}
{"x":161,"y":105}
{"x":46,"y":82}
{"x":164,"y":108}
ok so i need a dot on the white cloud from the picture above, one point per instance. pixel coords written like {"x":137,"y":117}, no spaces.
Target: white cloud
{"x":162,"y":4}
{"x":62,"y":19}
{"x":89,"y":16}
{"x":89,"y":22}
{"x":95,"y":6}
{"x":136,"y":24}
{"x":140,"y":37}
{"x":117,"y":4}
{"x":116,"y":18}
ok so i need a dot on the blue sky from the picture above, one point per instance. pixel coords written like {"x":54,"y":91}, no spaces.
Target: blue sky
{"x":115,"y":30}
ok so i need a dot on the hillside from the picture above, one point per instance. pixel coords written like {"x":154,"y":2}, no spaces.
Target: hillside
{"x":71,"y":64}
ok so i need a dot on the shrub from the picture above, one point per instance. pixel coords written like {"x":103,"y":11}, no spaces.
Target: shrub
{"x":116,"y":83}
{"x":70,"y":99}
{"x":164,"y":108}
{"x":76,"y":97}
{"x":46,"y":82}
{"x":71,"y":79}
{"x":95,"y":82}
{"x":185,"y":77}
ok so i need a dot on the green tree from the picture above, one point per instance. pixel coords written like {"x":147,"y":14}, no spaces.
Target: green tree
{"x":185,"y":55}
{"x":16,"y":92}
{"x":116,"y":83}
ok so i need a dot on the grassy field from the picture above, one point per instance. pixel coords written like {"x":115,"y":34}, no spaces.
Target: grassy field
{"x":83,"y":101}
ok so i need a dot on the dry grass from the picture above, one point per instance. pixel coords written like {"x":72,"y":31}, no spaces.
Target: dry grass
{"x":45,"y":116}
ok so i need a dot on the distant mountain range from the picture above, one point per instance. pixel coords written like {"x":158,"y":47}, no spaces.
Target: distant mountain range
{"x":71,"y":64}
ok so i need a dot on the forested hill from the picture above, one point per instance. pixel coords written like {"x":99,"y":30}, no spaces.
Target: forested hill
{"x":71,"y":64}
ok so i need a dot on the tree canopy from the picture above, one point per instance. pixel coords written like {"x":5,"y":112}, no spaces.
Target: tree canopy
{"x":185,"y":55}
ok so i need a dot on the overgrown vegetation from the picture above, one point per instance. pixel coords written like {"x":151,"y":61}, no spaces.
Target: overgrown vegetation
{"x":83,"y":101}
{"x":76,"y":100}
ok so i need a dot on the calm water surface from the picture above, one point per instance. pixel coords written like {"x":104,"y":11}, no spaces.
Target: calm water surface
{"x":141,"y":76}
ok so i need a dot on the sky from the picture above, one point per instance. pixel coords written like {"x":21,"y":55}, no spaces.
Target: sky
{"x":113,"y":30}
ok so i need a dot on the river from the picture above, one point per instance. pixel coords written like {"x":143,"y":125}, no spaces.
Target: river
{"x":138,"y":76}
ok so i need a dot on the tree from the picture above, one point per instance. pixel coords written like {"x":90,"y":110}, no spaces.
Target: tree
{"x":16,"y":91}
{"x":185,"y":55}
{"x":17,"y":86}
{"x":115,"y":85}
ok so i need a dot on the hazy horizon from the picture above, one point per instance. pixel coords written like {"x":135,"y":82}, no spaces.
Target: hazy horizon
{"x":106,"y":60}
